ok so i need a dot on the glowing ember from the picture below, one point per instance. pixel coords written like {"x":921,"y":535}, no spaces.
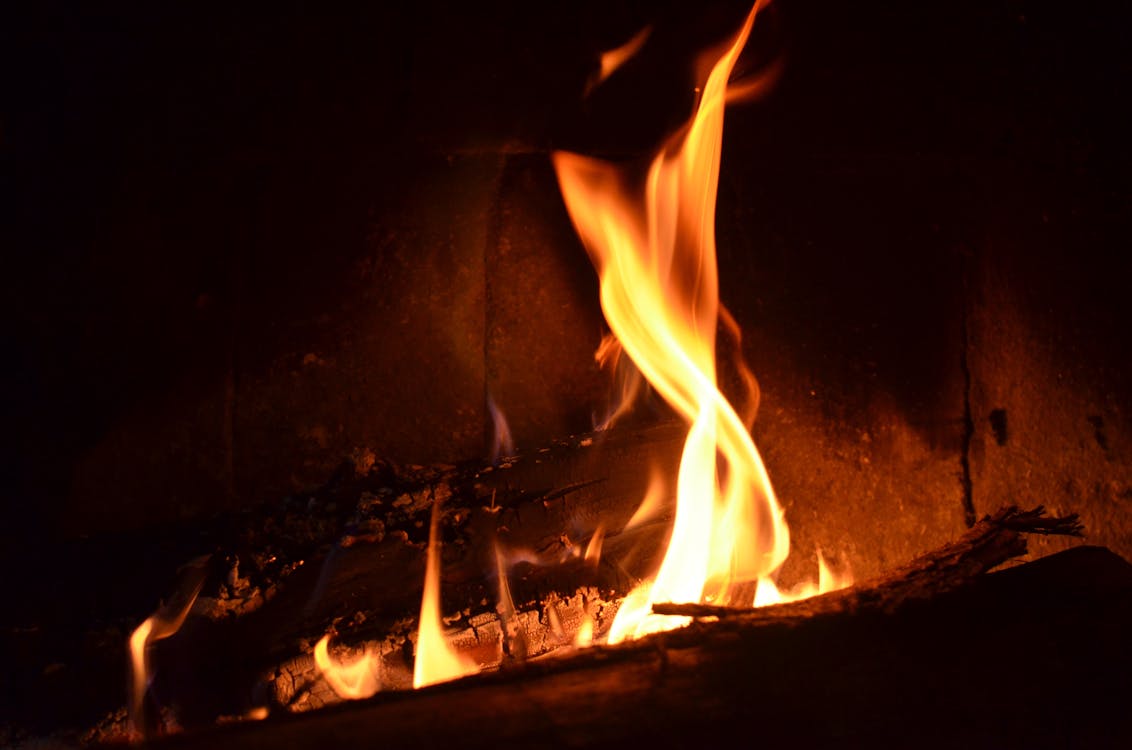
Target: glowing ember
{"x":436,"y":659}
{"x":653,"y":245}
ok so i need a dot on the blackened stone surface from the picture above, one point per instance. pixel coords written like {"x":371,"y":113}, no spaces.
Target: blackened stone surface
{"x":543,"y":317}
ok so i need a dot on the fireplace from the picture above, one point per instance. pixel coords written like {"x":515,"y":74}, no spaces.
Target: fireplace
{"x":255,"y":245}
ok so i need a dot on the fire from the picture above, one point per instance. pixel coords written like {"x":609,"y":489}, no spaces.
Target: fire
{"x":613,"y":59}
{"x":163,"y":623}
{"x":436,"y":659}
{"x":828,"y":580}
{"x":653,"y":245}
{"x":352,"y":681}
{"x":502,"y":444}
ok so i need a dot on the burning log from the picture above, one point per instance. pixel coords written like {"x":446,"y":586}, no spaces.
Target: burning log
{"x":992,"y":541}
{"x":541,"y":509}
{"x":547,"y":622}
{"x":1032,"y":655}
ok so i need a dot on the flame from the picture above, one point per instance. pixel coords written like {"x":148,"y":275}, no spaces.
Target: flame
{"x":358,"y":679}
{"x":139,"y":669}
{"x":593,"y":549}
{"x":652,"y":505}
{"x":613,"y":59}
{"x":628,"y":386}
{"x":501,"y":442}
{"x":514,"y":640}
{"x":163,"y":623}
{"x":436,"y":660}
{"x":585,"y":635}
{"x":654,"y":249}
{"x":828,"y":580}
{"x":751,"y":392}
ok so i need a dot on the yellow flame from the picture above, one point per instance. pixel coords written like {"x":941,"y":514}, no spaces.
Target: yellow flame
{"x":585,"y":635}
{"x":654,"y":249}
{"x":828,"y":580}
{"x":355,"y":680}
{"x":436,"y":659}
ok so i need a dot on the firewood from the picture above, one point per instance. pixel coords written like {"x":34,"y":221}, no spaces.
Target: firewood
{"x":542,"y":508}
{"x":1035,"y":655}
{"x":995,"y":539}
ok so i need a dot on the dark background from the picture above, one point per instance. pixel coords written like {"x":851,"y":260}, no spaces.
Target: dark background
{"x":242,"y":242}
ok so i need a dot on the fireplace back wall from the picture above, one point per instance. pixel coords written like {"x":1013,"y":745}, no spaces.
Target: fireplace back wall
{"x":252,"y":242}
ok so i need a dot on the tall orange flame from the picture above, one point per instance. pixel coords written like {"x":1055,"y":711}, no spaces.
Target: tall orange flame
{"x":654,"y":249}
{"x":436,"y":659}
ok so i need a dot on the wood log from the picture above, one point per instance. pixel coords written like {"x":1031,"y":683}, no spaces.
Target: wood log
{"x":1034,"y":656}
{"x":542,"y":508}
{"x":996,"y":538}
{"x":297,"y":685}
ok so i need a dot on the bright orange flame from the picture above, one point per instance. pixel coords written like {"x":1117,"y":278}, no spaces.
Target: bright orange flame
{"x":828,"y":580}
{"x":353,"y":681}
{"x":654,"y":250}
{"x":436,"y":660}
